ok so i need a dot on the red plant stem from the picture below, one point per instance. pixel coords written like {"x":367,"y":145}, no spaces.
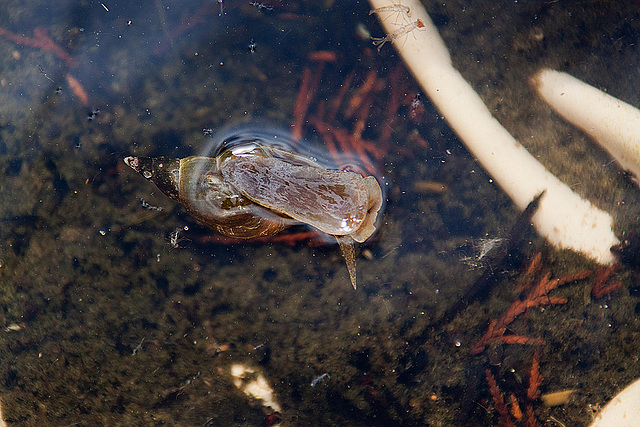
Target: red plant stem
{"x":361,"y":94}
{"x":537,"y":297}
{"x":515,"y":407}
{"x":331,"y":147}
{"x":302,"y":104}
{"x":498,"y":400}
{"x":78,"y":90}
{"x":290,"y":239}
{"x":337,"y":100}
{"x":535,"y":377}
{"x":361,"y":118}
{"x":41,"y":41}
{"x":322,"y":56}
{"x":308,"y":86}
{"x":600,"y":287}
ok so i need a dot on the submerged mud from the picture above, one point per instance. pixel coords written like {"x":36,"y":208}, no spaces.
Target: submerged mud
{"x":111,"y":316}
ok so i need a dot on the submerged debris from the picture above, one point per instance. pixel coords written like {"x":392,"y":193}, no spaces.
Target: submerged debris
{"x":481,"y":249}
{"x":319,"y":379}
{"x":253,"y":383}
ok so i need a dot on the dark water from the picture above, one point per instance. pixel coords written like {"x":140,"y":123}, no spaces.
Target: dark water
{"x":107,"y":320}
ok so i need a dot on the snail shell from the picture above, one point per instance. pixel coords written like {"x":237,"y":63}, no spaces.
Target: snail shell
{"x":252,"y":190}
{"x":196,"y":183}
{"x":335,"y":202}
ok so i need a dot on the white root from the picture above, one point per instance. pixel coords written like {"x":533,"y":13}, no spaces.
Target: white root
{"x":614,"y":124}
{"x":622,"y":410}
{"x":563,"y":217}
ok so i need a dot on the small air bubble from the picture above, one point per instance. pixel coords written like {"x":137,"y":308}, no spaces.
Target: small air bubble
{"x":147,"y":174}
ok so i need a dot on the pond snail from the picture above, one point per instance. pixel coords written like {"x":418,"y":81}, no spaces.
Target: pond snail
{"x":253,"y":188}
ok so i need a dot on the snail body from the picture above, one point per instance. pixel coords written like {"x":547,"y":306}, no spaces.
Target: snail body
{"x":250,"y":190}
